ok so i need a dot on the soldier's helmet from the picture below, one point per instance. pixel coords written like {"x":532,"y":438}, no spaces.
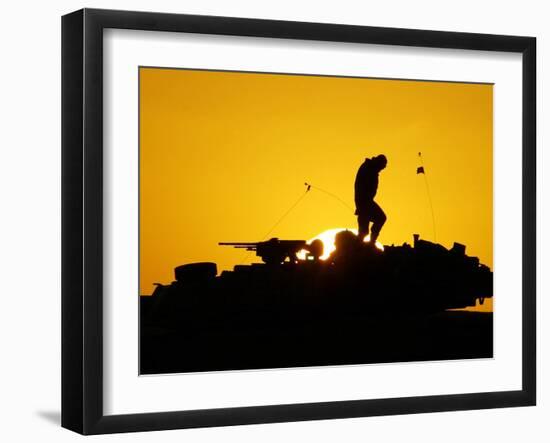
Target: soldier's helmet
{"x":381,"y":161}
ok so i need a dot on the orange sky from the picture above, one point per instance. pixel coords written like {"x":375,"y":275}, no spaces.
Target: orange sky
{"x":223,"y":155}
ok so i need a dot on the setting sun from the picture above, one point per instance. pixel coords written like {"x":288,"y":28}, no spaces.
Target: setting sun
{"x":327,"y":237}
{"x":266,"y":164}
{"x":223,"y":155}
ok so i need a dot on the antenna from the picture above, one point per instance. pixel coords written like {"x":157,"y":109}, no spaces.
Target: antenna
{"x":422,"y":170}
{"x":330,"y":194}
{"x":309,"y":187}
{"x":289,"y":210}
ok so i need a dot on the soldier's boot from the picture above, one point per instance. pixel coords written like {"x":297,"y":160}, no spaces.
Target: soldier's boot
{"x":374,"y":236}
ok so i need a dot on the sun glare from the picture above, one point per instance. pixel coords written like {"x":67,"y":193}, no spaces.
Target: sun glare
{"x":327,"y":237}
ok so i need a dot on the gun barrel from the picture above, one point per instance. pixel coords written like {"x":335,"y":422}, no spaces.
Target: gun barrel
{"x":240,"y":244}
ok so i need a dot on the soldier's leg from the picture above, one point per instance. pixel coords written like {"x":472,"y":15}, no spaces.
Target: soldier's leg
{"x":363,"y":226}
{"x":378,"y":219}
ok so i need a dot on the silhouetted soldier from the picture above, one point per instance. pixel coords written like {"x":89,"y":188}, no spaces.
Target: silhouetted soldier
{"x":366,"y":209}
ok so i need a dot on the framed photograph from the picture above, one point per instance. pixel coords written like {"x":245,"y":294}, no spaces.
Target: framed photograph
{"x":268,"y":221}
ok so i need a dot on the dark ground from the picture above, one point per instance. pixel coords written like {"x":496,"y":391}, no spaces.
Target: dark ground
{"x":382,"y":338}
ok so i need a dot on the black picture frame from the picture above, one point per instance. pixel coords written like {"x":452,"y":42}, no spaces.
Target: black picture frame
{"x":82,"y":218}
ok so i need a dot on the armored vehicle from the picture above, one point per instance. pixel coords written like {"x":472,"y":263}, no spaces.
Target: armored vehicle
{"x":294,"y":309}
{"x":425,"y":277}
